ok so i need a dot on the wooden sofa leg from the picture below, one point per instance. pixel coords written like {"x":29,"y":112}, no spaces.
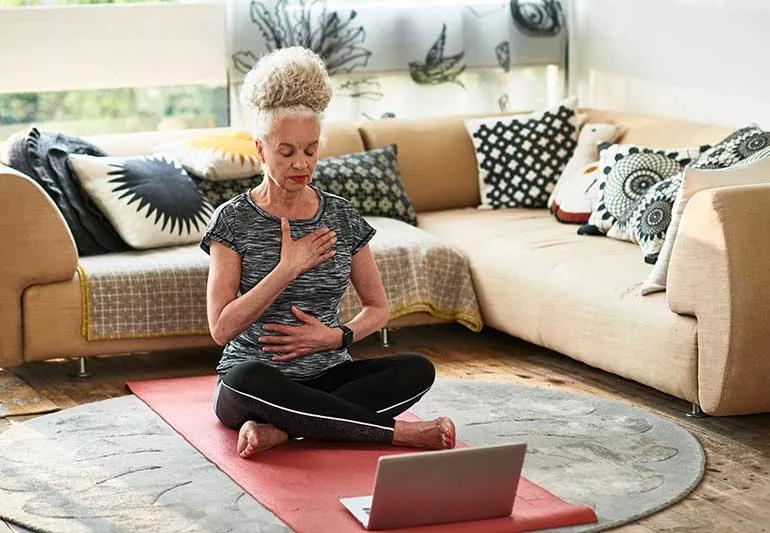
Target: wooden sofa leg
{"x":696,"y":412}
{"x":82,"y":369}
{"x":384,"y":336}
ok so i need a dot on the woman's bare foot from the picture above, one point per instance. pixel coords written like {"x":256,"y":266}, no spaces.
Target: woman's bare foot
{"x":253,"y":438}
{"x":436,"y":434}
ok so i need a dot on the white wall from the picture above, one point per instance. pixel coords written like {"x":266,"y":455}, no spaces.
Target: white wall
{"x":701,"y":60}
{"x":53,"y":48}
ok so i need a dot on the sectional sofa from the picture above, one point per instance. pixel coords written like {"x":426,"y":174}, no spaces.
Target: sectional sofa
{"x":705,"y":340}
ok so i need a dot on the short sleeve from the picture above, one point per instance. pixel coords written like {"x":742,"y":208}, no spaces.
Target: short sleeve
{"x":361,"y":231}
{"x":219,"y":229}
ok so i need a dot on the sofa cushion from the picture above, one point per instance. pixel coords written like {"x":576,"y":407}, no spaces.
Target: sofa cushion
{"x":658,"y":132}
{"x":436,"y":159}
{"x":370,"y":180}
{"x":216,"y":156}
{"x":151,"y":200}
{"x":336,"y":138}
{"x":536,"y":279}
{"x":628,"y":172}
{"x":519,"y":159}
{"x":570,"y":200}
{"x":737,"y":146}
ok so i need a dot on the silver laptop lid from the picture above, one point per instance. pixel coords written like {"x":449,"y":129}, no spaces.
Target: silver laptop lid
{"x":446,"y":486}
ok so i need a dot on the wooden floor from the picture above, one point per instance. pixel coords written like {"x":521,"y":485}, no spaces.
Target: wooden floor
{"x":733,"y":497}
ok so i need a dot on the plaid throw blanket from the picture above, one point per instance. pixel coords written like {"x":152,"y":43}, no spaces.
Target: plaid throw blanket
{"x":162,"y":292}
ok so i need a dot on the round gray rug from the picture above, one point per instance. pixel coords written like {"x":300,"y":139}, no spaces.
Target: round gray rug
{"x":115,"y":465}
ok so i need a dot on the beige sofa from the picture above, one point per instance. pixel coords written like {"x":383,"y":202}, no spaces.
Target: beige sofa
{"x":705,"y":340}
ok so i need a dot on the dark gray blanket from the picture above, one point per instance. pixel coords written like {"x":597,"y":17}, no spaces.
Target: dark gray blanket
{"x":43,"y":157}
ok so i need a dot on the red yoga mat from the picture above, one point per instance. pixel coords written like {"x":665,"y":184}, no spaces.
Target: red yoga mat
{"x":302,"y":481}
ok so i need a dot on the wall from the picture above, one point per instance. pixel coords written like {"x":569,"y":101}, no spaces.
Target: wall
{"x":701,"y":60}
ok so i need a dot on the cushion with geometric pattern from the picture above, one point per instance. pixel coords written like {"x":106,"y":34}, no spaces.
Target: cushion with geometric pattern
{"x":739,"y":145}
{"x":628,"y":172}
{"x":520,"y":158}
{"x":370,"y":180}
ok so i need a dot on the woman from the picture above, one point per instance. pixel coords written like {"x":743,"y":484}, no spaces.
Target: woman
{"x":290,"y":250}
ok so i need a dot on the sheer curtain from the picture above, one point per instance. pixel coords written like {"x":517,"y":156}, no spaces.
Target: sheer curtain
{"x":409,"y":58}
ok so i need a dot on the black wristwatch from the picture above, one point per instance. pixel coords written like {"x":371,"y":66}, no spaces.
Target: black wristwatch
{"x":347,"y":336}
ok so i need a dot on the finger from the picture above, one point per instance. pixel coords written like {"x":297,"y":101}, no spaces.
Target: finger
{"x":325,"y":256}
{"x":280,"y":328}
{"x":304,"y":317}
{"x":327,"y":240}
{"x":318,"y":234}
{"x":279,"y":348}
{"x":286,"y":357}
{"x":285,"y":230}
{"x":275,"y":339}
{"x":321,"y":258}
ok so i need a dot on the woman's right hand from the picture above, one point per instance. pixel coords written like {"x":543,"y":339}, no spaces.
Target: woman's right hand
{"x":307,"y":252}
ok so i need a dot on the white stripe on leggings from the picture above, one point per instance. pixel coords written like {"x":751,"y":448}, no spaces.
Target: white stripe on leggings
{"x":306,"y":414}
{"x":401,"y":403}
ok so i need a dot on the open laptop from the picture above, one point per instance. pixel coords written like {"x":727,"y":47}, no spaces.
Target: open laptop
{"x":439,"y":487}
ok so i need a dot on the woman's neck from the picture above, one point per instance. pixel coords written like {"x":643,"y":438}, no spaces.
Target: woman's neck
{"x":284,"y":203}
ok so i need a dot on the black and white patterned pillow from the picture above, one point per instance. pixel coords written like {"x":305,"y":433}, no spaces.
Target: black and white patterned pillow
{"x":218,"y":192}
{"x":652,"y":215}
{"x":370,"y":180}
{"x":629,"y":171}
{"x":150,"y":200}
{"x":520,"y":158}
{"x":739,"y":145}
{"x":654,"y":212}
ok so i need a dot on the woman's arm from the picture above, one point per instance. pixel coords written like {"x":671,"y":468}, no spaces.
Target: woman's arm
{"x":368,"y":284}
{"x":227,"y":314}
{"x":290,"y":342}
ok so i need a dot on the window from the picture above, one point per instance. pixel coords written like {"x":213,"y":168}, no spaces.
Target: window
{"x":89,"y":112}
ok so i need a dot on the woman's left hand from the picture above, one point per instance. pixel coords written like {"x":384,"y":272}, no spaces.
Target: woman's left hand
{"x":295,"y":341}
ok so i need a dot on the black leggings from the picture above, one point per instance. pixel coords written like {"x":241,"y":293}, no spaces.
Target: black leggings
{"x":352,"y":401}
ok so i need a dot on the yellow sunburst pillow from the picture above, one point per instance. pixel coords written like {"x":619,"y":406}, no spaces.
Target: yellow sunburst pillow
{"x":219,"y":157}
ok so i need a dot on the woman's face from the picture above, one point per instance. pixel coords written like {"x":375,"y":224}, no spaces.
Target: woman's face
{"x":290,"y":150}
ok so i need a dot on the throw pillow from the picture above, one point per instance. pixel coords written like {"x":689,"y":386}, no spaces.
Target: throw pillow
{"x":151,"y":200}
{"x":695,"y":180}
{"x":568,"y":201}
{"x":218,"y":192}
{"x":577,"y":198}
{"x":370,"y":180}
{"x":737,"y":146}
{"x":224,"y":156}
{"x":652,"y":215}
{"x":519,"y":158}
{"x":43,"y":157}
{"x":628,"y":171}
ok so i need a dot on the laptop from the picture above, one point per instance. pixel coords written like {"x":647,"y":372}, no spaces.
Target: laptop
{"x":440,"y":487}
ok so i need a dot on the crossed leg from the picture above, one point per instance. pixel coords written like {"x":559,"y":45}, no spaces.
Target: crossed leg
{"x":353,"y":401}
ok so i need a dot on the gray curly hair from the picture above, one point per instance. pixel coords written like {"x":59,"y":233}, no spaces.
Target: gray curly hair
{"x":288,"y":81}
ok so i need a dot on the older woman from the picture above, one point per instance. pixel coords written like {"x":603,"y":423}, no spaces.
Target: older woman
{"x":282,"y":255}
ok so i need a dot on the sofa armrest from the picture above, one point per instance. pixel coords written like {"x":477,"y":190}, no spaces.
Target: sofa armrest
{"x":37,"y":248}
{"x":720,"y":273}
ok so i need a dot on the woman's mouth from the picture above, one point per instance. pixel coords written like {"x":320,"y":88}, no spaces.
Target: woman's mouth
{"x":298,"y":178}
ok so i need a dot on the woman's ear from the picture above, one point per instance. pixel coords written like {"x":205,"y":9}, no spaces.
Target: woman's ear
{"x":260,"y":150}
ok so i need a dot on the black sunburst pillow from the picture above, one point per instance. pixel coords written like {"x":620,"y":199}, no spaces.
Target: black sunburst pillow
{"x":150,"y":200}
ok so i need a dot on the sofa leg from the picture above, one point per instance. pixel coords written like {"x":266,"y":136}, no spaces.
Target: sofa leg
{"x":384,"y":336}
{"x":696,"y":412}
{"x":82,"y":369}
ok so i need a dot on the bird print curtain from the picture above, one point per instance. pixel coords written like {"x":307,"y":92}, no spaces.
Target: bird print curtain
{"x":404,"y":59}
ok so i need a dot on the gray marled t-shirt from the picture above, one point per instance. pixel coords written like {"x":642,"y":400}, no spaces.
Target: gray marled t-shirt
{"x":255,"y":234}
